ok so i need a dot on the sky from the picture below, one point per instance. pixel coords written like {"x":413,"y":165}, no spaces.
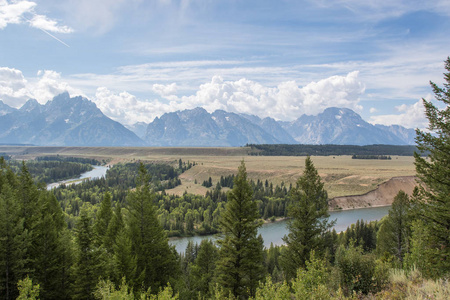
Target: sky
{"x":139,"y":59}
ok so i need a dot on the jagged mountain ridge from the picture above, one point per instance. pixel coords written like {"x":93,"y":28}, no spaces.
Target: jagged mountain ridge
{"x":76,"y":121}
{"x":64,"y":121}
{"x":342,"y":126}
{"x":197,"y":127}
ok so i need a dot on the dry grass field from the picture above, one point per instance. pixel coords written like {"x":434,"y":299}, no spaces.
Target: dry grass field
{"x":342,"y":175}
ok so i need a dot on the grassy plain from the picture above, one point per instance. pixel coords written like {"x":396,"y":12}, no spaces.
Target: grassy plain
{"x":342,"y":175}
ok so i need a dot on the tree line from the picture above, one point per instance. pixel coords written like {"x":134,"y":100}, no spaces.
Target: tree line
{"x":326,"y":150}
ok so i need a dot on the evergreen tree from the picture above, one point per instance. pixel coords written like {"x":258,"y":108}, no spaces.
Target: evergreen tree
{"x":156,"y":261}
{"x":204,"y":268}
{"x":308,"y":221}
{"x":47,"y":248}
{"x":104,"y":216}
{"x":124,"y":261}
{"x":85,"y":271}
{"x":115,"y":225}
{"x":434,"y":172}
{"x":14,"y":243}
{"x":395,"y":232}
{"x":240,"y":264}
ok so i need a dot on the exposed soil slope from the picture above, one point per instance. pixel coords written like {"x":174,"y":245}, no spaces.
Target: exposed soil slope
{"x":383,"y":195}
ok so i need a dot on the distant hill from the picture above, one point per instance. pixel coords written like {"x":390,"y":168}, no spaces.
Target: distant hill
{"x":64,"y":121}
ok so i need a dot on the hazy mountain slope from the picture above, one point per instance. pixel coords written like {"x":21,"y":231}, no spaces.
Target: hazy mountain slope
{"x":196,"y":127}
{"x":64,"y":121}
{"x":340,"y":126}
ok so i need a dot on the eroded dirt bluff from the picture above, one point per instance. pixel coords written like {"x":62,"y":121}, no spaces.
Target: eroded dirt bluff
{"x":383,"y":195}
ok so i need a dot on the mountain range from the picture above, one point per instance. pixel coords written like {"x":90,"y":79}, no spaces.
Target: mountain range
{"x":66,"y":121}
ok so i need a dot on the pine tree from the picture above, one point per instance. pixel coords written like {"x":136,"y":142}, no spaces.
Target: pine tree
{"x":156,"y":261}
{"x":434,"y":172}
{"x":124,"y":261}
{"x":204,"y":268}
{"x":240,"y":263}
{"x":85,"y":271}
{"x":104,"y":216}
{"x":308,"y":221}
{"x":14,"y":243}
{"x":115,"y":225}
{"x":395,"y":232}
{"x":47,"y":248}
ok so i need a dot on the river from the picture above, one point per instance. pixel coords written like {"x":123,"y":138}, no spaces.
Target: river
{"x":271,"y":232}
{"x":97,"y":172}
{"x":274,"y":232}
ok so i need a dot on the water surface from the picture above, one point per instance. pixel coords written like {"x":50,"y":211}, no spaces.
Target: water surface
{"x":274,"y":232}
{"x":97,"y":172}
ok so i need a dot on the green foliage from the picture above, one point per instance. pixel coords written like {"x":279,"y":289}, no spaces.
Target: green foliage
{"x":52,"y":171}
{"x":203,"y":268}
{"x":15,"y":240}
{"x":309,"y":220}
{"x":359,"y":272}
{"x":272,"y":291}
{"x":155,"y":260}
{"x":311,"y":282}
{"x":361,"y":234}
{"x":106,"y":290}
{"x":86,"y":263}
{"x":27,"y":290}
{"x":395,"y":232}
{"x":434,"y":173}
{"x":241,"y":251}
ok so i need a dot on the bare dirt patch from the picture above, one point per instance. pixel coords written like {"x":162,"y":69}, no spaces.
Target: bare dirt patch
{"x":383,"y":195}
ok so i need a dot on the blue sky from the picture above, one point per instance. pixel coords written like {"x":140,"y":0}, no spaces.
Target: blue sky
{"x":138,"y":59}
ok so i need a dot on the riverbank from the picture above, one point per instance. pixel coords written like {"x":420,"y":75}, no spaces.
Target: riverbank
{"x":383,"y":195}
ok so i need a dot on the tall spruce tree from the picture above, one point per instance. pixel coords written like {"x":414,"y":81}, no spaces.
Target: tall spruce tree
{"x":103,"y":218}
{"x":156,"y":261}
{"x":85,"y":267}
{"x":434,"y":173}
{"x":395,"y":232}
{"x":48,"y":248}
{"x":14,"y":243}
{"x":240,"y":264}
{"x":308,"y":212}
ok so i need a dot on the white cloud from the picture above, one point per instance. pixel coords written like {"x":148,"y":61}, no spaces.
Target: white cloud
{"x":15,"y":89}
{"x":373,"y":110}
{"x":165,"y":91}
{"x":287,"y":101}
{"x":44,"y":23}
{"x":49,"y":84}
{"x":411,"y":116}
{"x":20,"y":12}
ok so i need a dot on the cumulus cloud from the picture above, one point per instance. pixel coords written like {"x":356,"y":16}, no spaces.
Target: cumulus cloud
{"x":15,"y":89}
{"x":373,"y":110}
{"x":20,"y":12}
{"x":410,"y":116}
{"x":287,"y":101}
{"x":166,"y":91}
